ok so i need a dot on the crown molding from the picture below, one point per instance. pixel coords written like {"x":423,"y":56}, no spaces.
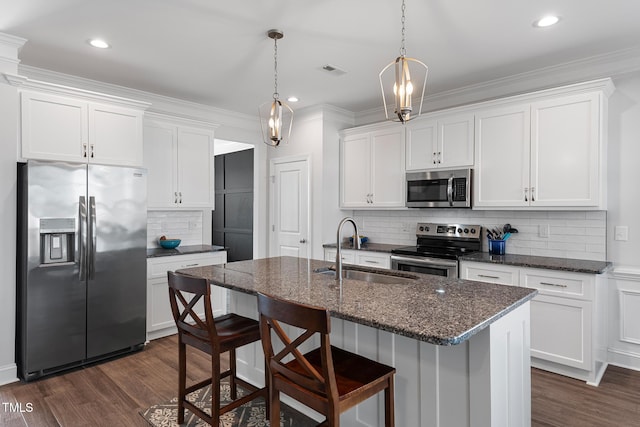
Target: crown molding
{"x":613,"y":64}
{"x":26,"y":83}
{"x":159,"y":103}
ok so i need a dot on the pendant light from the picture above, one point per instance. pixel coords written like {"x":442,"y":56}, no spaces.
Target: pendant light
{"x":276,"y":117}
{"x":404,"y":83}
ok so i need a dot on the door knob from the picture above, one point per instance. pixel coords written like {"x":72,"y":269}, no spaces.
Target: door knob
{"x":303,"y":241}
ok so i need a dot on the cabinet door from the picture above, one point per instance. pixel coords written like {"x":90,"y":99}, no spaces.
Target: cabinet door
{"x":160,"y":152}
{"x":115,"y":135}
{"x":195,"y":168}
{"x":565,"y":151}
{"x":387,"y":163}
{"x":53,"y":127}
{"x":421,"y":145}
{"x":501,"y":171}
{"x":561,"y":330}
{"x":355,"y":169}
{"x":455,"y":141}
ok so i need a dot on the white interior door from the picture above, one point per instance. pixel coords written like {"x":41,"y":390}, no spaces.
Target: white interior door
{"x":290,"y":208}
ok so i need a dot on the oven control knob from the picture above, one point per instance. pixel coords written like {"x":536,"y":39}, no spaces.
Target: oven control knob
{"x":459,"y":230}
{"x":421,"y":228}
{"x":473,"y":231}
{"x":466,"y":231}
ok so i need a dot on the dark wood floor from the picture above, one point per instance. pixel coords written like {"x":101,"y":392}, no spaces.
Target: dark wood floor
{"x":112,"y":393}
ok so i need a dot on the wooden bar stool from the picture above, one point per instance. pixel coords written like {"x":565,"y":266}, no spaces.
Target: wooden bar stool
{"x":212,"y":336}
{"x":327,"y":379}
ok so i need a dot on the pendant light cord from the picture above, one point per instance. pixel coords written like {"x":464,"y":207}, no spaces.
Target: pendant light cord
{"x":403,"y":51}
{"x":275,"y":69}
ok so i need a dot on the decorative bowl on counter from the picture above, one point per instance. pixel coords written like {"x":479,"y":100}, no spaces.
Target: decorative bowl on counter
{"x":169,"y":243}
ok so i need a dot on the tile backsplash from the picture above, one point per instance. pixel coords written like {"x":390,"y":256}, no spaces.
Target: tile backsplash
{"x":572,"y":234}
{"x":184,"y":225}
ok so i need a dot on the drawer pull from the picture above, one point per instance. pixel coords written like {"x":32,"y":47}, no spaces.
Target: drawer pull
{"x":191,"y":265}
{"x":371,"y":262}
{"x":553,"y":284}
{"x":488,"y":277}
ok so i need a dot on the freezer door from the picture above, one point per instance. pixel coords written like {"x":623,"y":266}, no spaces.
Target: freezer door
{"x":51,"y":295}
{"x":116,"y":287}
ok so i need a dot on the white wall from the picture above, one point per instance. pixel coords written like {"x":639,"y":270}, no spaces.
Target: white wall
{"x":9,"y":47}
{"x":624,"y":210}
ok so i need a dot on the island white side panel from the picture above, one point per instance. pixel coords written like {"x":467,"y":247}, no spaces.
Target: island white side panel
{"x":484,"y":381}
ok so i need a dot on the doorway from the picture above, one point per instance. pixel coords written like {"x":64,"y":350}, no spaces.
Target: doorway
{"x":232,"y":219}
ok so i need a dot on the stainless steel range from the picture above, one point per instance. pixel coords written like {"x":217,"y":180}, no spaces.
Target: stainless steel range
{"x":438,"y":249}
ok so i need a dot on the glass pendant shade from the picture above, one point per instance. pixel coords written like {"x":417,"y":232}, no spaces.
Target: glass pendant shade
{"x":276,"y":119}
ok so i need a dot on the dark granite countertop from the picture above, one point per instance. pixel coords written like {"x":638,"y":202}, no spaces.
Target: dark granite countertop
{"x":549,"y":263}
{"x":373,"y":247}
{"x":183,"y":250}
{"x":431,"y":309}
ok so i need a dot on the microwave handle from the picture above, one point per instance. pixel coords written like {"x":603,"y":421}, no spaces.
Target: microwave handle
{"x":450,"y":191}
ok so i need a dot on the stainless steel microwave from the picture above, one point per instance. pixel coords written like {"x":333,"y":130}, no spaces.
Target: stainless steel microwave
{"x":439,"y":189}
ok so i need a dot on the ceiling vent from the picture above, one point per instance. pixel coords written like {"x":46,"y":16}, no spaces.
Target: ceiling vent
{"x":333,"y":69}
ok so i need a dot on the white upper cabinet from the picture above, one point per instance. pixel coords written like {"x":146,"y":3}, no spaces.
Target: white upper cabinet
{"x":440,"y":143}
{"x":372,"y":173}
{"x":549,"y":152}
{"x":76,"y":129}
{"x":566,"y":152}
{"x":501,"y":172}
{"x":179,"y":162}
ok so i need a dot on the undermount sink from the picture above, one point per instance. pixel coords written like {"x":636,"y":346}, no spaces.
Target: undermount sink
{"x":368,"y":276}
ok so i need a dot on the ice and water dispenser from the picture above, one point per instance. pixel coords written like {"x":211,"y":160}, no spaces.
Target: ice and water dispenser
{"x":57,"y":237}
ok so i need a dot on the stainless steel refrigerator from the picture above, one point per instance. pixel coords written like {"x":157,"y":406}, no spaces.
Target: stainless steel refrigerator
{"x":81,"y":264}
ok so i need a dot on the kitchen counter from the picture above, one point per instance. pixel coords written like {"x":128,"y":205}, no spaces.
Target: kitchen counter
{"x":372,"y":247}
{"x":462,"y":353}
{"x":183,"y":250}
{"x":549,"y":263}
{"x":433,"y":309}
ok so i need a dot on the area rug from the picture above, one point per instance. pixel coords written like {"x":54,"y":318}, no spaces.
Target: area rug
{"x":252,"y":414}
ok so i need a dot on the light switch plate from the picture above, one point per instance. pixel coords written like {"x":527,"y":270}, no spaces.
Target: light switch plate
{"x":621,"y":232}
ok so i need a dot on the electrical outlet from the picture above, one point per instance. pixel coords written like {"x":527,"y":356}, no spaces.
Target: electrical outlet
{"x":543,"y":230}
{"x":621,"y":232}
{"x":193,"y":225}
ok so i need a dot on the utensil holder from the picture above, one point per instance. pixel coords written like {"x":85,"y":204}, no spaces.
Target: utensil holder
{"x":497,"y":247}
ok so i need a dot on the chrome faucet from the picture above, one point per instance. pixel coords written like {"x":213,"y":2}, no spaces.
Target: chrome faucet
{"x":356,"y":240}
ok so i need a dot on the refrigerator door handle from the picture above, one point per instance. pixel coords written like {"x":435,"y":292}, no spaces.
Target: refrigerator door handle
{"x":82,"y":237}
{"x":92,"y":237}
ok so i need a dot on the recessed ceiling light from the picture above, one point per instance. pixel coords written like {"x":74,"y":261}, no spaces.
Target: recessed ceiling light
{"x":546,"y":21}
{"x":293,"y":99}
{"x":99,"y":43}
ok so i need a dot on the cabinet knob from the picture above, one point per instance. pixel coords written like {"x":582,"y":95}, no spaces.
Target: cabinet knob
{"x":303,"y":241}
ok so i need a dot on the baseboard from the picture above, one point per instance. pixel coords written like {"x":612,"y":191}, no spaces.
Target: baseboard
{"x":8,"y":374}
{"x":624,"y":359}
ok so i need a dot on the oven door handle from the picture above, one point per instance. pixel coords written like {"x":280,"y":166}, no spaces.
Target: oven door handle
{"x":450,"y":190}
{"x":425,"y":261}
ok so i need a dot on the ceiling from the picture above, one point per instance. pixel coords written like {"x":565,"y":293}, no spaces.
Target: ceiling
{"x":217,"y":53}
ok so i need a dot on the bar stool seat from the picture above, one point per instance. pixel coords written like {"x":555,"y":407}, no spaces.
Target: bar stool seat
{"x":327,"y":379}
{"x":213,"y":336}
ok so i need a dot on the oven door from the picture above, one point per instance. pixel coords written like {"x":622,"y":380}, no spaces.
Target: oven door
{"x":424,"y":265}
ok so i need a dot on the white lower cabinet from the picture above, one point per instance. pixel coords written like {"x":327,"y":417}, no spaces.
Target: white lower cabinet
{"x":160,"y":321}
{"x":568,"y":316}
{"x":360,"y":257}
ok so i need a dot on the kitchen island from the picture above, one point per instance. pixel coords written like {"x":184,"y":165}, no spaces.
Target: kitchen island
{"x":460,"y":348}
